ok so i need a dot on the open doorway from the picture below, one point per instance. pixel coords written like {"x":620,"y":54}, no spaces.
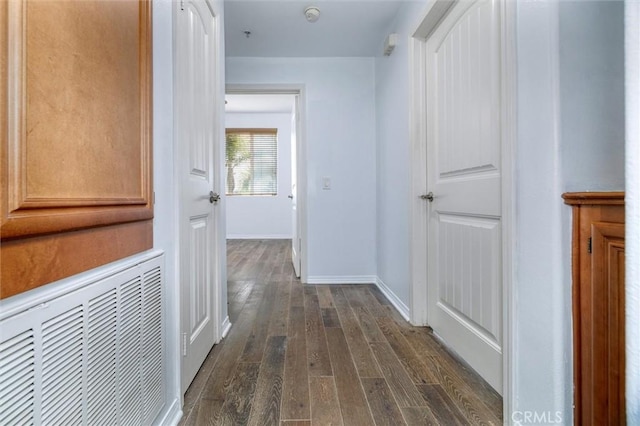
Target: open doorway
{"x":264,"y":173}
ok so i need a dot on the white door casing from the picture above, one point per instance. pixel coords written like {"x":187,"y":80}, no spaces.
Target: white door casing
{"x":299,"y":162}
{"x":295,"y":231}
{"x":196,"y":135}
{"x":464,"y":172}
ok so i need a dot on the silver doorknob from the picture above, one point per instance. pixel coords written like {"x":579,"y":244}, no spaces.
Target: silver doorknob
{"x":290,"y":196}
{"x":429,"y":197}
{"x":214,"y":197}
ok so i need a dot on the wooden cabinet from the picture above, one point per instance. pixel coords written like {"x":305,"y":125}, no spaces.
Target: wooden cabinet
{"x":75,"y":137}
{"x":598,"y":307}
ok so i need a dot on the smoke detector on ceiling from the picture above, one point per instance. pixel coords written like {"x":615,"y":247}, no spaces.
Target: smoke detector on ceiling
{"x":312,"y":13}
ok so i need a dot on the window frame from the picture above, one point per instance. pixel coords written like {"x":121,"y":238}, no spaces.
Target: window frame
{"x":254,"y":131}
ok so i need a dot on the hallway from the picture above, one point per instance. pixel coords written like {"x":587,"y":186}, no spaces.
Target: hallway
{"x":320,"y":355}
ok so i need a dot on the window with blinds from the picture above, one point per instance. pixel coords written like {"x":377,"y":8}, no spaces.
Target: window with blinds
{"x":251,"y":161}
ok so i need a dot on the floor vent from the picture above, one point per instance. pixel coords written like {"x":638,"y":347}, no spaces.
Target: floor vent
{"x":92,"y":356}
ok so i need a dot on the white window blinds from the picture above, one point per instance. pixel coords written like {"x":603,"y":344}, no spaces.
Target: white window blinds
{"x":251,"y":161}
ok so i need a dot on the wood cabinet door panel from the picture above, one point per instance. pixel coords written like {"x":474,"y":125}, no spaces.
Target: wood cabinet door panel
{"x":75,"y":147}
{"x":598,"y":259}
{"x":78,"y":105}
{"x":607,"y":328}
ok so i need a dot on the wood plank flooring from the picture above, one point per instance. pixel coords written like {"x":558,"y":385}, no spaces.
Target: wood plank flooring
{"x":326,"y":355}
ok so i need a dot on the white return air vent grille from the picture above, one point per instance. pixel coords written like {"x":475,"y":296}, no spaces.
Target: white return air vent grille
{"x":17,"y":375}
{"x":101,"y":357}
{"x":152,"y":365}
{"x":62,"y":346}
{"x":130,"y":341}
{"x":92,"y":356}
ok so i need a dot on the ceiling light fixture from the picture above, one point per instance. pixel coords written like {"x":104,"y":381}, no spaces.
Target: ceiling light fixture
{"x":247,"y":34}
{"x":312,"y":13}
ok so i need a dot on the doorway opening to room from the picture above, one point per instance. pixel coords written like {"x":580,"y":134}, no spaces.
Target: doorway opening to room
{"x":264,"y":155}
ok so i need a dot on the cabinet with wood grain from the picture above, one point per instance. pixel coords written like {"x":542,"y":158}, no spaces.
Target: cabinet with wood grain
{"x":75,"y":137}
{"x":598,"y":307}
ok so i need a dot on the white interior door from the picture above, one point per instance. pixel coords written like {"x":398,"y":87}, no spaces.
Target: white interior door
{"x":295,"y":238}
{"x":195,"y":132}
{"x":463,"y":63}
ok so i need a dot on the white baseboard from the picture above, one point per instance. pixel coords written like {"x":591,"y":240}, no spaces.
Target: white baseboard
{"x":226,"y":326}
{"x":395,"y":300}
{"x":348,"y":279}
{"x":258,"y":237}
{"x":171,"y":416}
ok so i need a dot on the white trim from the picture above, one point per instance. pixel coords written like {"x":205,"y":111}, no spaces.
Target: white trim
{"x":264,"y":89}
{"x":509,"y":136}
{"x":226,"y":326}
{"x":632,"y":200}
{"x":170,"y":416}
{"x":258,"y":237}
{"x":344,"y":279}
{"x":175,"y":290}
{"x":220,"y":256}
{"x":418,"y":208}
{"x":433,"y":14}
{"x":301,"y":163}
{"x":563,"y":397}
{"x":395,"y":300}
{"x":40,"y":296}
{"x":431,"y":17}
{"x":541,"y":265}
{"x":165,"y":217}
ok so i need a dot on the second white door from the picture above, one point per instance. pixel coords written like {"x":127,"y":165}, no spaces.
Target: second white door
{"x":196,"y":133}
{"x":464,"y":174}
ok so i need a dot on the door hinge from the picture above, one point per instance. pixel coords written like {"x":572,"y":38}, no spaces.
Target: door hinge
{"x":589,"y":245}
{"x":181,"y":4}
{"x":184,"y":344}
{"x":154,"y":197}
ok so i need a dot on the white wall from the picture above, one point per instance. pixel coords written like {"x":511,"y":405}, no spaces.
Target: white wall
{"x":164,"y":226}
{"x":542,"y":312}
{"x":570,"y":138}
{"x":592,"y":94}
{"x":263,"y":216}
{"x":340,"y":140}
{"x":393,"y":157}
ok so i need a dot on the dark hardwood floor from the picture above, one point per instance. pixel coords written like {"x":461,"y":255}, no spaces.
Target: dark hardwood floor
{"x":326,"y":355}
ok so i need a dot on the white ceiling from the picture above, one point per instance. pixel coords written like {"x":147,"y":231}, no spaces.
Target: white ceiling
{"x":259,"y":103}
{"x":279,"y":28}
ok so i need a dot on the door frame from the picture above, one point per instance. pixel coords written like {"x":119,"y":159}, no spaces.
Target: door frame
{"x":431,"y":18}
{"x":219,"y":261}
{"x":301,"y":151}
{"x":632,"y":197}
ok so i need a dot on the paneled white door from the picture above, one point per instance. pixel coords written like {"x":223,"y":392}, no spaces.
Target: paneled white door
{"x":195,"y":132}
{"x":464,"y":176}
